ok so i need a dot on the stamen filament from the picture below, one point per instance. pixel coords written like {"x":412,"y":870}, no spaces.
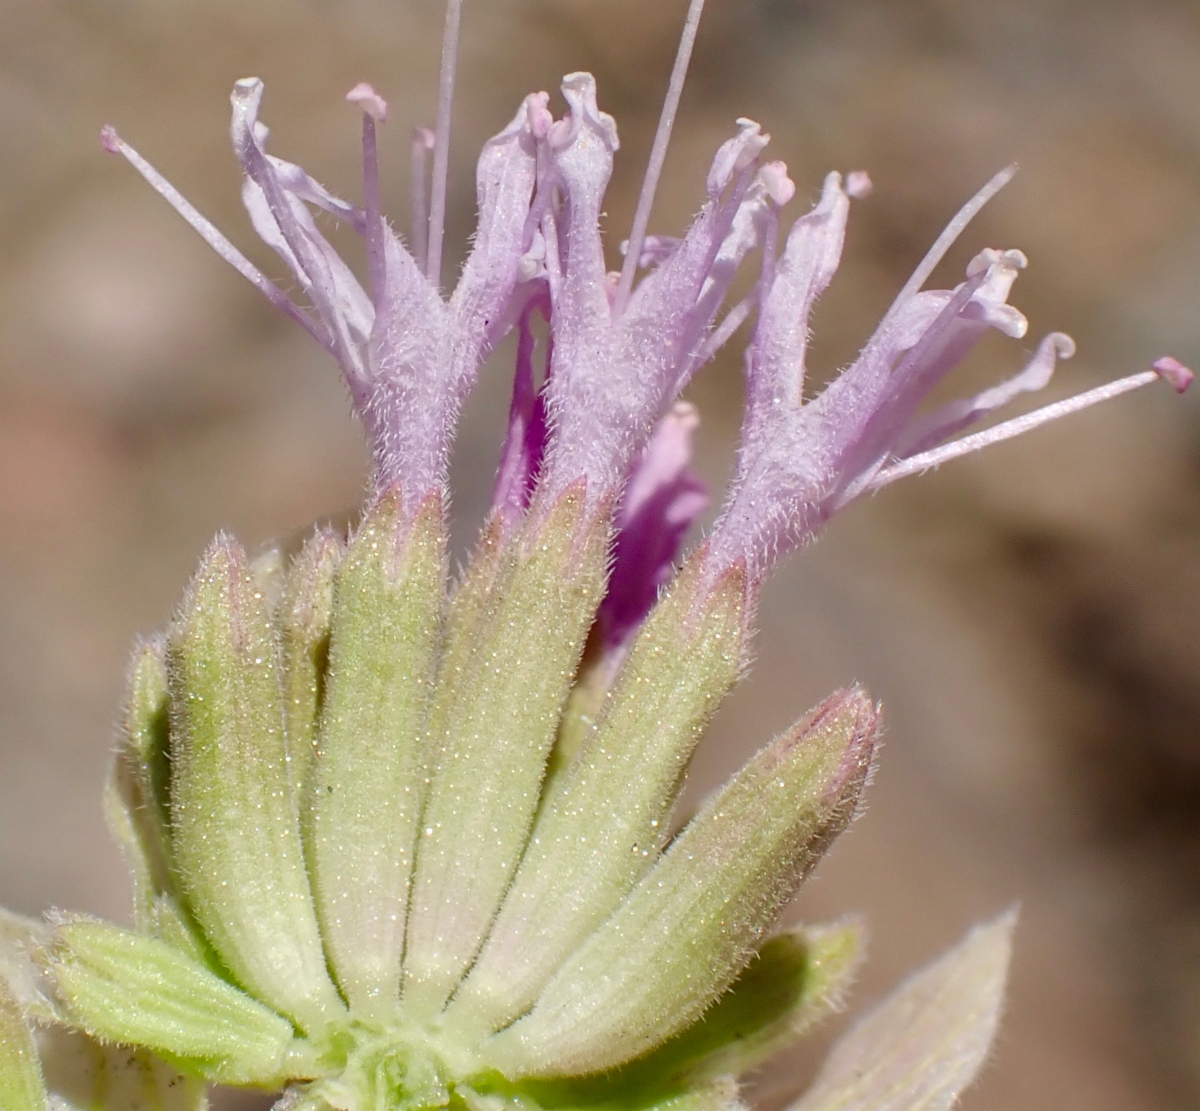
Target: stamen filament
{"x":658,"y":155}
{"x":422,"y":144}
{"x":1010,"y":428}
{"x":375,"y":263}
{"x":374,"y":108}
{"x":769,"y":252}
{"x":946,"y":240}
{"x":113,"y":143}
{"x":441,"y":145}
{"x":723,"y":332}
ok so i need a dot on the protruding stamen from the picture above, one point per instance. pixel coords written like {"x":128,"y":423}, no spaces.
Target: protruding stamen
{"x":730,"y":323}
{"x":1174,"y":372}
{"x":946,"y":240}
{"x":779,"y":187}
{"x":365,"y":97}
{"x":374,"y":109}
{"x":658,"y":154}
{"x":858,"y":184}
{"x":1179,"y":377}
{"x":113,"y":143}
{"x":422,"y":144}
{"x":441,"y":147}
{"x":769,"y":253}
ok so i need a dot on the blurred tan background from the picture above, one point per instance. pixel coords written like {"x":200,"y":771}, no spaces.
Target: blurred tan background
{"x":1028,"y":617}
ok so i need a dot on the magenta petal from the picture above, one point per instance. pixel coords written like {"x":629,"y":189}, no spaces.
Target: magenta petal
{"x":662,"y":500}
{"x":525,"y":444}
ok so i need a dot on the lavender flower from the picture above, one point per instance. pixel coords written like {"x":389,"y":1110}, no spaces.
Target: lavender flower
{"x":403,"y":845}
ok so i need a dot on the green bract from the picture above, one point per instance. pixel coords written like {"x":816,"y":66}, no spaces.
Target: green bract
{"x":356,"y":880}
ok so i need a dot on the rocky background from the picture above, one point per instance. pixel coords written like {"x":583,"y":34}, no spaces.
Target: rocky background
{"x":1028,"y":617}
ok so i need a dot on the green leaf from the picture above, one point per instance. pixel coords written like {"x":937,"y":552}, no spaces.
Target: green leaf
{"x":304,"y":616}
{"x":924,"y":1044}
{"x":364,"y":806}
{"x":694,"y":922}
{"x":605,"y":821}
{"x":21,"y":1084}
{"x":487,"y":767}
{"x":235,"y":827}
{"x":124,"y":987}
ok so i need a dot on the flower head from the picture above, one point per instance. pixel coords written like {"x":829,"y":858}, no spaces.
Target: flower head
{"x":399,"y":844}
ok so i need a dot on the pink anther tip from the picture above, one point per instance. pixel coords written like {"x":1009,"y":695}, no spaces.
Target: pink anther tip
{"x":858,"y":184}
{"x":1174,"y":372}
{"x":365,"y":97}
{"x":109,"y":139}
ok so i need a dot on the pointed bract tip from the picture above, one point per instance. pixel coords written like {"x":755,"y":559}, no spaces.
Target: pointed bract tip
{"x":854,"y":715}
{"x":109,"y":139}
{"x":1174,"y":372}
{"x":858,"y":184}
{"x":363,"y":96}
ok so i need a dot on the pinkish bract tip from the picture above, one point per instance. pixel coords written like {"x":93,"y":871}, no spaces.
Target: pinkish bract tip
{"x":109,"y":139}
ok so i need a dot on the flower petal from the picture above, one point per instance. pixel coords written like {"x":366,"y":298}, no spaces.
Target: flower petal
{"x":525,"y":444}
{"x":284,"y":223}
{"x":926,"y":432}
{"x":662,"y":499}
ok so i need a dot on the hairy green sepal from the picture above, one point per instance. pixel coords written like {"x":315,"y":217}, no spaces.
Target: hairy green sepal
{"x":700,"y":914}
{"x":235,"y":827}
{"x":487,"y":766}
{"x":367,"y":777}
{"x":304,"y":616}
{"x":605,"y":820}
